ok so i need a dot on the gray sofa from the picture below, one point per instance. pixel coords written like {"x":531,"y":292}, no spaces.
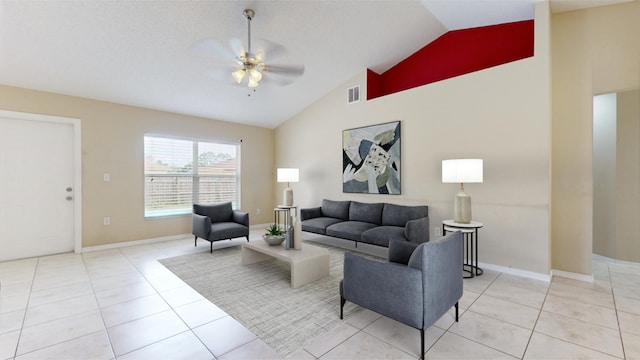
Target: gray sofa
{"x":371,"y":223}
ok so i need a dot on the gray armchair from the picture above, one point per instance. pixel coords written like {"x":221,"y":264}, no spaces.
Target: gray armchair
{"x":218,"y":222}
{"x":418,"y":285}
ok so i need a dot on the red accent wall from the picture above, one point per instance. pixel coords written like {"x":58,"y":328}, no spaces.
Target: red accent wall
{"x":456,"y":53}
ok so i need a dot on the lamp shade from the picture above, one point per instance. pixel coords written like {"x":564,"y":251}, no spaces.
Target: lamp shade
{"x":288,"y":175}
{"x":462,"y":171}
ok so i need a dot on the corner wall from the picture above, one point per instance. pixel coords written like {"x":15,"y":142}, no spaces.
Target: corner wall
{"x":112,"y":142}
{"x":501,"y":114}
{"x":595,"y":51}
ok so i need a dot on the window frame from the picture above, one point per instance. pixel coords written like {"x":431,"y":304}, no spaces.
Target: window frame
{"x":194,"y":175}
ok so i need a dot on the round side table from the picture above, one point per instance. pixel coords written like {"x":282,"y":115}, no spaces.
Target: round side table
{"x":470,"y":235}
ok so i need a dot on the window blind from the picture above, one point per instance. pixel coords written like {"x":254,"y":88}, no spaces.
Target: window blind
{"x":179,"y":173}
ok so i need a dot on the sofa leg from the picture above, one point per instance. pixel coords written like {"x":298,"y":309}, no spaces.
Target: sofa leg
{"x":456,"y":312}
{"x":421,"y":344}
{"x":247,"y":238}
{"x":342,"y":302}
{"x":195,"y":241}
{"x":211,"y":248}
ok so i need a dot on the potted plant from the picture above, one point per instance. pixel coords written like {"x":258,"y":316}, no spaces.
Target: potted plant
{"x":274,"y":235}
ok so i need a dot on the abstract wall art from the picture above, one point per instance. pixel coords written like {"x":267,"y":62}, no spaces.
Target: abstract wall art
{"x":371,"y":159}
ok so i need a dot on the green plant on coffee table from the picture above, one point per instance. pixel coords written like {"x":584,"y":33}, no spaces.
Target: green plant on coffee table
{"x":274,"y":230}
{"x":274,"y":235}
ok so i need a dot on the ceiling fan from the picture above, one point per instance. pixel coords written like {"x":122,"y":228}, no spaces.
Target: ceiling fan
{"x":248,"y":66}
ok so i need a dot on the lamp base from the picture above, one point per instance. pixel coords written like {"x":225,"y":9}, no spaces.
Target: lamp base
{"x":287,"y":196}
{"x":462,"y":208}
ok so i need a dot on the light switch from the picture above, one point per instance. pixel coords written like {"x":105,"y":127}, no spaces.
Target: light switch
{"x":106,"y":177}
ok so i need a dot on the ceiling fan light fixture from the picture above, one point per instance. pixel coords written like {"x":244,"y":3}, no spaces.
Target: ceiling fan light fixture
{"x":252,"y":83}
{"x":238,"y":75}
{"x":255,"y":74}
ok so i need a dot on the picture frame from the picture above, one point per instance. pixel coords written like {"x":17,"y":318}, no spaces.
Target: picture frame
{"x":371,"y":159}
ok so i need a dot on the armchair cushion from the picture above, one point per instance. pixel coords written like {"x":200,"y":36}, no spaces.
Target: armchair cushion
{"x":217,"y":212}
{"x":227,"y":230}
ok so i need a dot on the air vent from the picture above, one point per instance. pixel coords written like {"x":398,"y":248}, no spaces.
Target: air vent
{"x":354,"y":94}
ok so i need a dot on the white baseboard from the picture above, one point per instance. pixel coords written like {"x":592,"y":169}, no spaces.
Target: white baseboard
{"x":572,"y":275}
{"x":615,"y":261}
{"x":516,"y":272}
{"x":152,"y":240}
{"x":259,"y":226}
{"x":134,"y":243}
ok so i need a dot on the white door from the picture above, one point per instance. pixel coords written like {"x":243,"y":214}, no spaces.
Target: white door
{"x":36,"y":188}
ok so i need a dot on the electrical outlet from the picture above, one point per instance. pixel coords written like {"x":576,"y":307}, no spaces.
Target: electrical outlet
{"x":106,"y":221}
{"x":437,"y":230}
{"x":258,"y":211}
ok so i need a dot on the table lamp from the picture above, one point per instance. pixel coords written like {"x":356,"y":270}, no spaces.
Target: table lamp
{"x":462,"y":171}
{"x":287,"y":175}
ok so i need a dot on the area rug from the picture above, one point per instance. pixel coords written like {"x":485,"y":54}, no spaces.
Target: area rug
{"x":260,"y":296}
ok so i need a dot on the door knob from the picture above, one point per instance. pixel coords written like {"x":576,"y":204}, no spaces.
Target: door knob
{"x":69,"y":189}
{"x":69,"y":198}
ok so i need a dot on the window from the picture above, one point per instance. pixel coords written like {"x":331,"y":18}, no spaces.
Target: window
{"x":172,"y":182}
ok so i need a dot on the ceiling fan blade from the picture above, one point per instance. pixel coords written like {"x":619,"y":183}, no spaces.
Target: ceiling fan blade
{"x":283,"y":75}
{"x":238,"y":48}
{"x":269,"y":50}
{"x":221,"y":75}
{"x":288,"y":70}
{"x":212,"y":47}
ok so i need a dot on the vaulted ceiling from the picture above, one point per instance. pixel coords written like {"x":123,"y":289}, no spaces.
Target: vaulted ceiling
{"x":142,"y":53}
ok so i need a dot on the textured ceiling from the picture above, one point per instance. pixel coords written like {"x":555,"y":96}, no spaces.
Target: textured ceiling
{"x":141,"y":52}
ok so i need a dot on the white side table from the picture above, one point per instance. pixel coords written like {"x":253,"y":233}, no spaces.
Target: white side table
{"x":470,"y":235}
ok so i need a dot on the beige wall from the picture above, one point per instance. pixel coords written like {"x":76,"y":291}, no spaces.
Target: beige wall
{"x":501,"y":114}
{"x":627,"y":231}
{"x":112,"y":142}
{"x":594,"y":51}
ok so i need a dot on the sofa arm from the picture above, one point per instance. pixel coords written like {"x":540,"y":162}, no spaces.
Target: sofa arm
{"x":201,"y":225}
{"x":310,"y":213}
{"x":241,"y":217}
{"x":417,"y":231}
{"x":390,"y":289}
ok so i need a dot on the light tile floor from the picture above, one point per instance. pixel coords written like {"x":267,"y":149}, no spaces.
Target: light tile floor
{"x":123,"y":304}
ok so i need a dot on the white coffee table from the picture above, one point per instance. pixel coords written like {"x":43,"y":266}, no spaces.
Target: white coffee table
{"x":308,"y":264}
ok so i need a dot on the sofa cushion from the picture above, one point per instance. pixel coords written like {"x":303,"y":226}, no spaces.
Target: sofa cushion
{"x":398,"y":215}
{"x":319,"y":224}
{"x":370,"y":213}
{"x":381,"y":235}
{"x":349,"y":229}
{"x":335,"y":209}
